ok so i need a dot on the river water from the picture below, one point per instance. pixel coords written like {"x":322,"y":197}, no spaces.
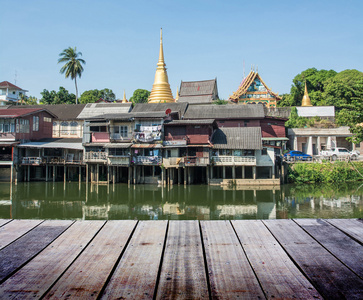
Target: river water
{"x":40,"y":200}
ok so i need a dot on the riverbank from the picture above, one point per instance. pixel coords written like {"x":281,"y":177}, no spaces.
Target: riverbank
{"x":325,"y":172}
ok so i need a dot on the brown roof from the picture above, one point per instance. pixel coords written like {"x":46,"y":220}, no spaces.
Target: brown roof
{"x":20,"y":112}
{"x":61,"y":111}
{"x":193,"y":88}
{"x":7,"y":84}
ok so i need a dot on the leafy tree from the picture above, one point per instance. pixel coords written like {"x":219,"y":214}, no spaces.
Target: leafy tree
{"x":60,"y":97}
{"x":315,"y":80}
{"x":73,"y":65}
{"x":140,"y":96}
{"x":92,"y":96}
{"x":28,"y":100}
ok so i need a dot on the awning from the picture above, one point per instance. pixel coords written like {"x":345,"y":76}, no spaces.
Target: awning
{"x":8,"y":144}
{"x":146,"y":146}
{"x":207,"y":146}
{"x":74,"y":146}
{"x":98,"y":124}
{"x":275,"y":139}
{"x":118,"y":145}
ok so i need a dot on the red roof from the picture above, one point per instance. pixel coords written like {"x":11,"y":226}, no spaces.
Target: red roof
{"x":7,"y":84}
{"x":18,"y":112}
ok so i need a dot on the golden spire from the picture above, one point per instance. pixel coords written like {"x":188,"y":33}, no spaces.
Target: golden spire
{"x":161,"y":91}
{"x":306,"y":99}
{"x":124,"y":100}
{"x":177,"y":94}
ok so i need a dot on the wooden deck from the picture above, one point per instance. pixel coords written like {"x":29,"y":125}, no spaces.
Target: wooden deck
{"x":285,"y":259}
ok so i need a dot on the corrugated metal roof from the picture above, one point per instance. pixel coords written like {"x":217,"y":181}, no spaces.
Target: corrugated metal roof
{"x":193,"y":88}
{"x":62,"y":111}
{"x":56,"y":143}
{"x":196,"y":99}
{"x":160,"y":107}
{"x":237,"y":138}
{"x":228,"y":111}
{"x":98,"y":109}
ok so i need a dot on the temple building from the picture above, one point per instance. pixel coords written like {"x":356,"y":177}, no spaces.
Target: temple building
{"x":161,"y":92}
{"x":253,"y":90}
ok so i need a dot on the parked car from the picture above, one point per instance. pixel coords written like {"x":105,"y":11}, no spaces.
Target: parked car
{"x":335,"y":153}
{"x":297,"y":155}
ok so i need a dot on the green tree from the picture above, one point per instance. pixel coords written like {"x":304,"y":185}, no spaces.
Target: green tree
{"x":316,"y":82}
{"x":60,"y":97}
{"x":24,"y":100}
{"x":92,"y":96}
{"x":140,"y":96}
{"x":73,"y":65}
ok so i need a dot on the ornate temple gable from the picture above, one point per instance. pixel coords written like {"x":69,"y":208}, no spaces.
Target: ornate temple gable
{"x":253,"y":90}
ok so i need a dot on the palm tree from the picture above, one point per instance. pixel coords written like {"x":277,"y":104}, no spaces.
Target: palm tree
{"x":73,"y":66}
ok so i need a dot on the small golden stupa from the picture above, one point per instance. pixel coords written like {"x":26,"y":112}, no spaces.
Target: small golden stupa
{"x":161,"y":92}
{"x":306,"y":99}
{"x":124,"y":100}
{"x":177,"y":95}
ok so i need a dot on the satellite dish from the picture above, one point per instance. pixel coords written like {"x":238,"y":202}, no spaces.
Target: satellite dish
{"x":168,"y":111}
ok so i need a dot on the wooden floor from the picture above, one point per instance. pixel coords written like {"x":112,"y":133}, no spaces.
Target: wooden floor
{"x":284,"y":259}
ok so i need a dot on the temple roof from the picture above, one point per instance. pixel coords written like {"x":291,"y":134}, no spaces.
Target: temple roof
{"x":246,"y":83}
{"x":198,"y":91}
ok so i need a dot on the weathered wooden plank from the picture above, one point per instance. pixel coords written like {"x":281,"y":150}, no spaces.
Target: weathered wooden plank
{"x":136,"y":274}
{"x":352,"y":227}
{"x":278,"y":275}
{"x":230,"y":274}
{"x":337,"y":242}
{"x":183,"y":273}
{"x":330,"y":277}
{"x":26,"y":247}
{"x":36,"y":277}
{"x":4,"y":221}
{"x":15,"y":229}
{"x":87,"y":275}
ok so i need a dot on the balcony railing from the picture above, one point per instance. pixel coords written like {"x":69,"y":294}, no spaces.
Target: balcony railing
{"x":119,"y":160}
{"x":147,"y":160}
{"x":234,"y":160}
{"x":5,"y":157}
{"x":95,"y":156}
{"x":32,"y":160}
{"x":196,"y":161}
{"x":100,"y":137}
{"x":7,"y":136}
{"x":173,"y":162}
{"x":117,"y":137}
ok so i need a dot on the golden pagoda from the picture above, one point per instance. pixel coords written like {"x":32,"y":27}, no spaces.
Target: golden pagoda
{"x":161,"y":92}
{"x":306,"y":99}
{"x":124,"y":100}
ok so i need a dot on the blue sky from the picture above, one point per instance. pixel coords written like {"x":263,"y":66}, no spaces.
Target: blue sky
{"x":202,"y":40}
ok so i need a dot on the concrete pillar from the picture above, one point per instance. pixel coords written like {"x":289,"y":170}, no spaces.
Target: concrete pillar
{"x":318,"y":144}
{"x":254,"y":172}
{"x":185,"y":175}
{"x":179,"y":176}
{"x":243,"y":172}
{"x":135,"y":174}
{"x":224,"y":172}
{"x":273,"y":172}
{"x":310,"y":145}
{"x":28,"y":173}
{"x":79,"y":174}
{"x":97,"y":173}
{"x":65,"y":174}
{"x":171,"y":176}
{"x":208,"y":179}
{"x":233,"y":172}
{"x":295,"y":143}
{"x":113,"y":175}
{"x":211,"y":172}
{"x":129,"y":171}
{"x":46,"y":173}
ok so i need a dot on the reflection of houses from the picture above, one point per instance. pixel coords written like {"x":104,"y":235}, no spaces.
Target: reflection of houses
{"x":10,"y":93}
{"x":198,"y":92}
{"x":253,"y":90}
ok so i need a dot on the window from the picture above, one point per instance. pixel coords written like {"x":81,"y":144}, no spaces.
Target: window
{"x":123,"y":131}
{"x":23,"y":126}
{"x":264,"y":151}
{"x":35,"y":123}
{"x":64,"y":127}
{"x":117,"y":152}
{"x":46,"y":119}
{"x":74,"y":125}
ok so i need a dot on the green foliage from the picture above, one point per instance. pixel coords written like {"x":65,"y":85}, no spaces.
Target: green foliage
{"x":315,"y":80}
{"x":220,"y":102}
{"x":140,"y":96}
{"x":92,"y":96}
{"x":325,"y":172}
{"x":73,"y":65}
{"x":60,"y":97}
{"x":295,"y":121}
{"x":28,"y":100}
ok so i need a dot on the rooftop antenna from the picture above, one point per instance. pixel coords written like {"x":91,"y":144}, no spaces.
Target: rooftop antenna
{"x":16,"y":76}
{"x":257,"y":69}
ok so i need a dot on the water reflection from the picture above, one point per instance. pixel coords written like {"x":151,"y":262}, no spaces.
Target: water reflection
{"x":41,"y":200}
